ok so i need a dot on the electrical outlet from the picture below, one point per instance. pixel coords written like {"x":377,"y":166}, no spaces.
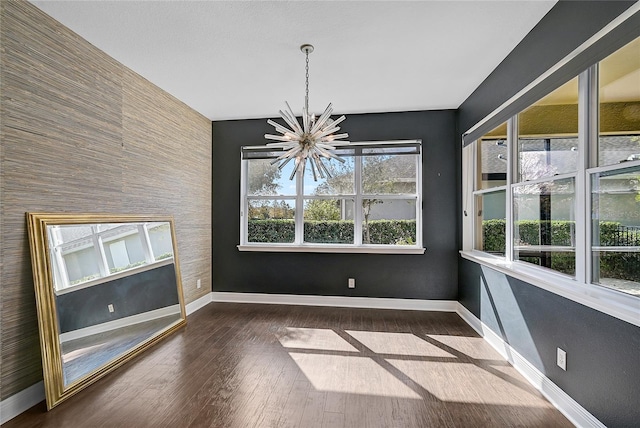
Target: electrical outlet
{"x":110,"y":306}
{"x":198,"y":284}
{"x":562,"y":359}
{"x":352,"y":283}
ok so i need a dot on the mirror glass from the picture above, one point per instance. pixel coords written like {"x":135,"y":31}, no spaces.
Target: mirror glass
{"x":107,"y":287}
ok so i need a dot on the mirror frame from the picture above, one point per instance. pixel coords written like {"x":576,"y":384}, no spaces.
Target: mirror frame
{"x":55,"y":389}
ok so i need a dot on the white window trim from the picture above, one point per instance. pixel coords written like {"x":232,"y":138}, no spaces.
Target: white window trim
{"x":603,"y":299}
{"x":579,"y":289}
{"x":357,"y":247}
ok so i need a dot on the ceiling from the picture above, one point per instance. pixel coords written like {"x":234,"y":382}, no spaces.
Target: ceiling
{"x":242,"y":59}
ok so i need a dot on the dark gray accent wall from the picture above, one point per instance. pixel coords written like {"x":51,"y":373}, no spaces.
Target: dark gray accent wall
{"x":603,"y":352}
{"x":132,"y":295}
{"x":428,"y":276}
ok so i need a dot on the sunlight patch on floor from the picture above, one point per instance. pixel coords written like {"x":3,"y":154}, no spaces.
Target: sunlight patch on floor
{"x":352,"y":375}
{"x":457,"y":382}
{"x":398,"y":344}
{"x":314,"y":338}
{"x":474,"y":347}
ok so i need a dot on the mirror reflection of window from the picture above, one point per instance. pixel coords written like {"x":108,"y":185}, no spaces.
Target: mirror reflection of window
{"x":81,"y":254}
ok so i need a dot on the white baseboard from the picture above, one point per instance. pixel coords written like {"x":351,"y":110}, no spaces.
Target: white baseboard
{"x":198,"y":303}
{"x":337,"y":301}
{"x":20,"y":402}
{"x":573,"y":411}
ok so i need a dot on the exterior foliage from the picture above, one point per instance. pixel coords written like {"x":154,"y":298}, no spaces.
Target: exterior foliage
{"x":612,"y":264}
{"x":389,"y":232}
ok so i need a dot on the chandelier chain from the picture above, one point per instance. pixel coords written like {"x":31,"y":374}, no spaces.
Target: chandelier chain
{"x":306,"y":96}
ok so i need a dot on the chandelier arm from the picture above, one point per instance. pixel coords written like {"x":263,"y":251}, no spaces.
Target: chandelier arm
{"x":329,"y":155}
{"x":326,"y":170}
{"x":338,"y":120}
{"x":313,"y":170}
{"x":277,"y":137}
{"x":284,"y":163}
{"x":336,"y":137}
{"x":291,"y":121}
{"x":288,"y":154}
{"x":323,"y":133}
{"x":279,"y":127}
{"x":292,"y":116}
{"x":323,"y":118}
{"x":295,"y":169}
{"x":318,"y":162}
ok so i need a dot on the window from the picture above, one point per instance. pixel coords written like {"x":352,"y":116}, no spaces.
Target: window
{"x":490,"y":192}
{"x":615,"y":178}
{"x":543,"y":194}
{"x":556,"y":189}
{"x":371,"y":202}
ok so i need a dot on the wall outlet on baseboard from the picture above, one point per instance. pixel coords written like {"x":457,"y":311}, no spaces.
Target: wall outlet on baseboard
{"x":561,"y":359}
{"x":352,"y":283}
{"x":110,"y":307}
{"x":198,"y":284}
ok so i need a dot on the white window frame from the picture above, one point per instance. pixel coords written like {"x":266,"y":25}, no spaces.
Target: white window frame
{"x":579,"y":288}
{"x":357,"y":247}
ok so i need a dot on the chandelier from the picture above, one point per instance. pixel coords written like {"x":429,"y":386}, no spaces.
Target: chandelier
{"x":311,"y":140}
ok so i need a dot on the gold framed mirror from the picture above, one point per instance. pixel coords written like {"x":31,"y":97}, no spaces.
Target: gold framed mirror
{"x":107,"y":287}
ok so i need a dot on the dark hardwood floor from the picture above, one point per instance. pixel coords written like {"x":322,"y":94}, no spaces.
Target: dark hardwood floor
{"x":250,"y":365}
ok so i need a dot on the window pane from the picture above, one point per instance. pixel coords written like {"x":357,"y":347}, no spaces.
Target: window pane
{"x":491,"y":222}
{"x":161,"y":243}
{"x":265,"y":179}
{"x":389,"y":174}
{"x":328,"y":221}
{"x":124,"y":253}
{"x":547,"y":135}
{"x":271,"y":221}
{"x":389,"y":221}
{"x":340,"y":183}
{"x":492,"y":158}
{"x":544,"y":227}
{"x":81,"y":265}
{"x":619,"y":97}
{"x":615,"y":204}
{"x":547,"y":157}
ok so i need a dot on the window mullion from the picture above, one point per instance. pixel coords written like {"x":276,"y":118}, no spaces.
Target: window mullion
{"x":357,"y":201}
{"x":586,"y":108}
{"x":299,"y":216}
{"x":589,"y":114}
{"x":512,"y":141}
{"x":244,"y":204}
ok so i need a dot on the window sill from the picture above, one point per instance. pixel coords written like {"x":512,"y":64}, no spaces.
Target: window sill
{"x":350,"y":249}
{"x":615,"y":303}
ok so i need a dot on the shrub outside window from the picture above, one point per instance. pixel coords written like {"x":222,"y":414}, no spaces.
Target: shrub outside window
{"x":371,"y":201}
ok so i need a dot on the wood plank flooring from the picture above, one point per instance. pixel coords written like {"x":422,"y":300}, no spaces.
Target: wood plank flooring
{"x":250,"y":365}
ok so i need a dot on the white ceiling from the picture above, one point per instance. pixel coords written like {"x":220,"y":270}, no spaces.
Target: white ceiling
{"x":241,"y":59}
